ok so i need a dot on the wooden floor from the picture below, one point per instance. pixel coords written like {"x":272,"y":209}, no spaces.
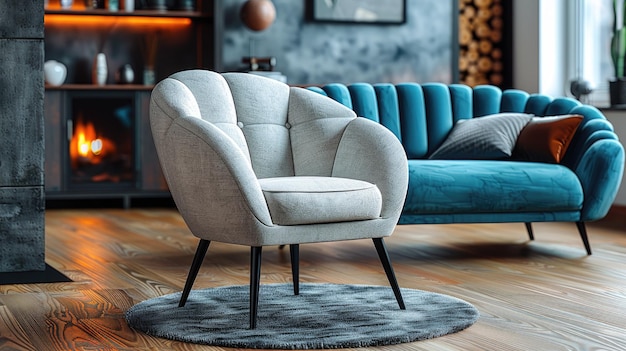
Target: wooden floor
{"x":541,"y":295}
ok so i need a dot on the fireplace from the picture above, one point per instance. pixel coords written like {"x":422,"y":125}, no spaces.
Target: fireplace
{"x":101,"y":147}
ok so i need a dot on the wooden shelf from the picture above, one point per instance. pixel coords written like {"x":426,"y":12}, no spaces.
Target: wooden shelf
{"x":136,"y":13}
{"x":99,"y":87}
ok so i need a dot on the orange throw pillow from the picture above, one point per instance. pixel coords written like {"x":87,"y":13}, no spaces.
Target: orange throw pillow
{"x":546,"y":139}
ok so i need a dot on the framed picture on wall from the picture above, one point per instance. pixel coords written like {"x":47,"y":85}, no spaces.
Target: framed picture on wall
{"x":360,"y":11}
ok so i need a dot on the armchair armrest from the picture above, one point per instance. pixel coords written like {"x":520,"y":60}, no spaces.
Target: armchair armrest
{"x":213,"y":179}
{"x":351,"y":147}
{"x":368,"y":151}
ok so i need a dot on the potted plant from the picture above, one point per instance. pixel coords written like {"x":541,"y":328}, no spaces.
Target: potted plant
{"x":617,"y":87}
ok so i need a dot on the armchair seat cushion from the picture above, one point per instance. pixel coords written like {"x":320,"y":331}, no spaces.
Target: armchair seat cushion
{"x":313,"y":200}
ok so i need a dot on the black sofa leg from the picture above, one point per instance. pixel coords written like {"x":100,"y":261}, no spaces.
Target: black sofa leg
{"x":391,"y":276}
{"x":203,"y":246}
{"x":529,"y":229}
{"x":583,"y":235}
{"x":255,"y":278}
{"x":294,"y":253}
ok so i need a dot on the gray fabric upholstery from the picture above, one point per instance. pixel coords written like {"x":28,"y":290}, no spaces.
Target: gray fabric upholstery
{"x":262,"y":116}
{"x":225,"y":141}
{"x":483,"y":138}
{"x":310,"y":200}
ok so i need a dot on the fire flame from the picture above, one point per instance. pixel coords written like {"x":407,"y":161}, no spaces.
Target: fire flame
{"x":86,"y":146}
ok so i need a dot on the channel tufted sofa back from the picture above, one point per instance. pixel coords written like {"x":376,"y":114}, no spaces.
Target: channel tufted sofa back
{"x":422,"y":115}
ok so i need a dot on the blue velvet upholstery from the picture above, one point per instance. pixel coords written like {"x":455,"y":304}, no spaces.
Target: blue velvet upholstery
{"x":581,"y":188}
{"x":499,"y":187}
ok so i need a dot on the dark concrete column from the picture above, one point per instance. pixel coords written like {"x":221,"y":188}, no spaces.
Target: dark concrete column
{"x":21,"y":136}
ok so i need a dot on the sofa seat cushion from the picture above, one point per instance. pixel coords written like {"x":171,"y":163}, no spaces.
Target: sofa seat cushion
{"x":469,"y":186}
{"x":311,"y":200}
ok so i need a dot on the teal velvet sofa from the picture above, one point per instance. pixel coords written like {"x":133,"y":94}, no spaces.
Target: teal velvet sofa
{"x":579,"y":187}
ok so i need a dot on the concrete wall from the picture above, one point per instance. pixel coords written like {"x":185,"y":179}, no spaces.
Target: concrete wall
{"x":21,"y":132}
{"x":308,"y":52}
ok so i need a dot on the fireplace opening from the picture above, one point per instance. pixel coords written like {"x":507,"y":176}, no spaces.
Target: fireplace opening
{"x":101,"y":142}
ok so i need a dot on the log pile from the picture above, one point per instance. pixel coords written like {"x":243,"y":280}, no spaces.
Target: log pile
{"x":481,"y":28}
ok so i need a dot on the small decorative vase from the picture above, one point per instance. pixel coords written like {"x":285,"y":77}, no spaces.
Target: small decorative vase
{"x":126,"y":75}
{"x":149,"y":78}
{"x":94,"y":4}
{"x":113,"y":5}
{"x":100,"y":70}
{"x":67,"y":4}
{"x":54,"y":72}
{"x":129,"y":5}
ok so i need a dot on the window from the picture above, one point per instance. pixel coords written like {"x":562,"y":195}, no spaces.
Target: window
{"x":591,"y":29}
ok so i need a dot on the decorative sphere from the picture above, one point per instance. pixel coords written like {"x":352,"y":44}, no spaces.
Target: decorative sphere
{"x":258,"y":14}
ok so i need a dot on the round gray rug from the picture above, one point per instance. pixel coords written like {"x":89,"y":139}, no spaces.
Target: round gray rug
{"x":323,"y":316}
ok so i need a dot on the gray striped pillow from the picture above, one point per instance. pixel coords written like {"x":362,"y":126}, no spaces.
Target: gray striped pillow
{"x":489,"y":137}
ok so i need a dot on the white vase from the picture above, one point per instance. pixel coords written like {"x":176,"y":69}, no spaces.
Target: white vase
{"x":100,"y":70}
{"x":54,"y":72}
{"x":129,"y":5}
{"x":125,"y":75}
{"x":67,"y":4}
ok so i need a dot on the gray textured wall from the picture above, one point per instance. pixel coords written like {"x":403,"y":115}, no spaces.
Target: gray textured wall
{"x":420,"y":50}
{"x":21,"y":132}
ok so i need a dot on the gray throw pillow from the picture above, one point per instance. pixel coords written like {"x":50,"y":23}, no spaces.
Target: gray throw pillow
{"x":489,"y":137}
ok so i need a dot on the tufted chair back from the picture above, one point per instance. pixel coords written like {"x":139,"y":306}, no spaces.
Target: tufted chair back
{"x":260,"y":112}
{"x":261,"y":117}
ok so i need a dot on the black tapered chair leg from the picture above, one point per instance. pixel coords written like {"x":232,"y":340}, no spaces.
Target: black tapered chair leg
{"x":255,"y":279}
{"x":391,"y":276}
{"x":529,"y":229}
{"x":294,"y":253}
{"x":583,"y":235}
{"x":203,"y":246}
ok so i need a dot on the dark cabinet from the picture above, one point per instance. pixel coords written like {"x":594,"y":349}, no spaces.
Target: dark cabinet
{"x":98,"y":142}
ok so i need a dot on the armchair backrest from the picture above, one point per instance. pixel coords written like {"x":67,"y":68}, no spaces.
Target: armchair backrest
{"x":261,"y":108}
{"x":289,"y":130}
{"x":281,"y":130}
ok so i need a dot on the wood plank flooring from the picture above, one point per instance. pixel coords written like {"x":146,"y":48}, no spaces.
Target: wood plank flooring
{"x":541,"y":295}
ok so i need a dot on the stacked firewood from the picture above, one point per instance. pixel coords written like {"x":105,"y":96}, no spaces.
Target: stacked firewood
{"x":481,"y":27}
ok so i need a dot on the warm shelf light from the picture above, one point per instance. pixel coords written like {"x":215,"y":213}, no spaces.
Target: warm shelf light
{"x":94,"y":20}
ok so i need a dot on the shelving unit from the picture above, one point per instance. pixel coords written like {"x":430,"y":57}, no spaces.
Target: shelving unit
{"x":109,"y":87}
{"x":177,"y":39}
{"x":180,"y":40}
{"x":136,"y":13}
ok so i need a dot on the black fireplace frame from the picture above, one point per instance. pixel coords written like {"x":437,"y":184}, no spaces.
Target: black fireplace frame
{"x":149,"y":185}
{"x":70,"y":116}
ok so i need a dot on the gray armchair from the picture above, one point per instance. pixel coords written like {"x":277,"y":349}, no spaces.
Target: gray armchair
{"x":252,"y":161}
